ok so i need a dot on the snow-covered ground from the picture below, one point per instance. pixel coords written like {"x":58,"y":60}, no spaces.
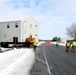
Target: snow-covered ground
{"x":17,"y":61}
{"x":63,"y":44}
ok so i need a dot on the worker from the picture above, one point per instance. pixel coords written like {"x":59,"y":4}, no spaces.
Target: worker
{"x":57,"y":44}
{"x":67,"y":46}
{"x":34,"y":46}
{"x":73,"y":45}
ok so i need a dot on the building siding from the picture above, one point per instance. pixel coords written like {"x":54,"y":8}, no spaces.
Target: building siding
{"x":25,"y":28}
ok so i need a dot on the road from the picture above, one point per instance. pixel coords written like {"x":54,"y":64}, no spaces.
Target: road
{"x":62,"y":62}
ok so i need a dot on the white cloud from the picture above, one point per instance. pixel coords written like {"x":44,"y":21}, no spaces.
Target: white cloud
{"x":48,"y":13}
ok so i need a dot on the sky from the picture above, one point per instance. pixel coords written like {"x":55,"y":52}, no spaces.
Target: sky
{"x":53,"y":16}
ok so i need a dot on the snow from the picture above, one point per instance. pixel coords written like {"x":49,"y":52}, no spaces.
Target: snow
{"x":17,"y":61}
{"x":63,"y":44}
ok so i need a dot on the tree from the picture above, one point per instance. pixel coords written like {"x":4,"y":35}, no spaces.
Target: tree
{"x":71,"y":31}
{"x":59,"y":39}
{"x":56,"y":39}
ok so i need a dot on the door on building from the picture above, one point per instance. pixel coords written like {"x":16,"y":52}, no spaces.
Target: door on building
{"x":15,"y":40}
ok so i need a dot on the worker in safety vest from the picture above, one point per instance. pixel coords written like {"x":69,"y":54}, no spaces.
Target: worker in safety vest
{"x":67,"y":46}
{"x":57,"y":44}
{"x":73,"y":45}
{"x":34,"y":46}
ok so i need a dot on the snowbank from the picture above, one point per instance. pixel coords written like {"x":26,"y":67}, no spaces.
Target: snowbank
{"x":63,"y":44}
{"x":17,"y":61}
{"x":40,"y":43}
{"x":21,"y":66}
{"x":5,"y":49}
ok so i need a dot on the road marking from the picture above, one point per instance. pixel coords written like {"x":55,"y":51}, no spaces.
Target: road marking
{"x":48,"y":67}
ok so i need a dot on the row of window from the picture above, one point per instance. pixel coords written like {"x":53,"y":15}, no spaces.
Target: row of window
{"x":30,"y":36}
{"x":16,"y":25}
{"x":31,"y":25}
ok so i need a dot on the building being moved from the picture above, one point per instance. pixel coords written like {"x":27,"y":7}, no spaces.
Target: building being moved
{"x":19,"y":29}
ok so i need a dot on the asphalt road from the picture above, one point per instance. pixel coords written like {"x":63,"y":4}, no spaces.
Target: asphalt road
{"x":62,"y":62}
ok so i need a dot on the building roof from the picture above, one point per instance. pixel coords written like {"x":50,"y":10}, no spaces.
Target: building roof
{"x":17,"y":19}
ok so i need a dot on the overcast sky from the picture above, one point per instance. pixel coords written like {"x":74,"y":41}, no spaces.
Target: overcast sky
{"x":53,"y":16}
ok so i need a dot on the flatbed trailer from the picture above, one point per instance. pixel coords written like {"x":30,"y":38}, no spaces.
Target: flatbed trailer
{"x":27,"y":43}
{"x":17,"y":44}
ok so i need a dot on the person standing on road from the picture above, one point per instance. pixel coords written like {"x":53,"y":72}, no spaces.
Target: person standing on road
{"x":73,"y":42}
{"x":34,"y":46}
{"x":67,"y":46}
{"x":57,"y":44}
{"x":73,"y":45}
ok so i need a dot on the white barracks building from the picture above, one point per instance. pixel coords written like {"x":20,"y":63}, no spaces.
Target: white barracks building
{"x":21,"y":29}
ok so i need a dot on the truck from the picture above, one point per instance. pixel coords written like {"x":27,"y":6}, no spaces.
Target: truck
{"x":27,"y":43}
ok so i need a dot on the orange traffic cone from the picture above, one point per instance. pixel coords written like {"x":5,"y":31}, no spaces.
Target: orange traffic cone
{"x":48,"y":42}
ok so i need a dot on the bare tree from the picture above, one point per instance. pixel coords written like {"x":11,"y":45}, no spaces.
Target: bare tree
{"x":71,"y":31}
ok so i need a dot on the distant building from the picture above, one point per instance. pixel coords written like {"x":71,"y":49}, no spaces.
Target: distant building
{"x":65,"y":39}
{"x":18,"y":28}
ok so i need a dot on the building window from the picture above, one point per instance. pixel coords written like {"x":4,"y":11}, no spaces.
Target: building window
{"x":24,"y":21}
{"x":35,"y":34}
{"x":30,"y":25}
{"x":16,"y":25}
{"x":30,"y":36}
{"x":36,"y":25}
{"x":8,"y":25}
